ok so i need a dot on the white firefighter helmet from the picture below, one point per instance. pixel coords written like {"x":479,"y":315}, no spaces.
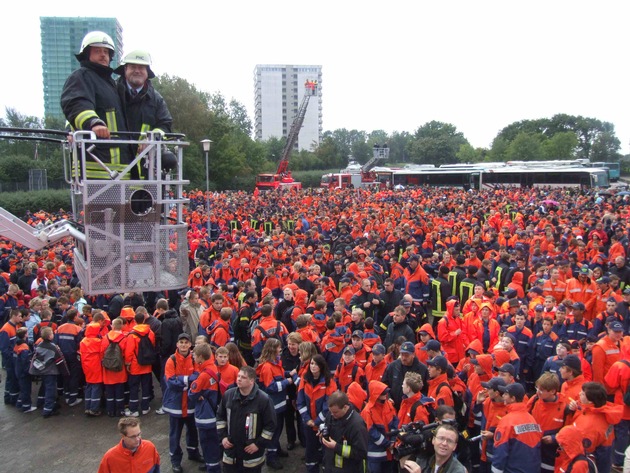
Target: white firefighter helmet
{"x":96,"y":39}
{"x":138,"y":56}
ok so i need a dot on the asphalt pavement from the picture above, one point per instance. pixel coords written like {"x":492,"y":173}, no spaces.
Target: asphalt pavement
{"x":74,"y":443}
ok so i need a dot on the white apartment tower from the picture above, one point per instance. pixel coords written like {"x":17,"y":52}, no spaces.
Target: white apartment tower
{"x":278,"y":93}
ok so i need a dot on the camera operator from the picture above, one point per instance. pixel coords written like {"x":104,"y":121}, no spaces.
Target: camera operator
{"x":444,"y":442}
{"x":446,"y":415}
{"x":344,"y":436}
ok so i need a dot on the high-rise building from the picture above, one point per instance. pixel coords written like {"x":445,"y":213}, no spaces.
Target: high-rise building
{"x":61,"y":40}
{"x":278,"y":93}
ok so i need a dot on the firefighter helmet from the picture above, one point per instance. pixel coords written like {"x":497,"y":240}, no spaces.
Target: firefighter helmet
{"x":137,"y":56}
{"x":97,"y":39}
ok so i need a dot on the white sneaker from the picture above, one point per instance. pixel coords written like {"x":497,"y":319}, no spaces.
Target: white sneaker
{"x":75,"y":403}
{"x":160,"y":411}
{"x":144,"y":413}
{"x":30,"y":409}
{"x":128,"y":413}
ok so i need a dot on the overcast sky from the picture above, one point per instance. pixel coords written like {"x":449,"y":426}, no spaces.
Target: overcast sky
{"x":479,"y":65}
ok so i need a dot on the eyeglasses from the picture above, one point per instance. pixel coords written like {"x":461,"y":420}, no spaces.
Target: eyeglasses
{"x":133,"y":437}
{"x":445,"y":440}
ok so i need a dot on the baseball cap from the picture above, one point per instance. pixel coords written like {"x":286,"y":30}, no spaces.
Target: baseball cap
{"x":439,"y":362}
{"x":432,"y":345}
{"x":357,"y":333}
{"x":514,"y":303}
{"x":407,"y":347}
{"x":571,"y":361}
{"x":514,"y":389}
{"x":561,"y":308}
{"x":507,"y":368}
{"x":616,"y":326}
{"x":509,"y":293}
{"x":584,"y":270}
{"x":539,"y":308}
{"x":182,"y":336}
{"x":536,"y":290}
{"x":494,"y":383}
{"x":349,"y":349}
{"x":406,"y":303}
{"x":581,"y":306}
{"x":603,"y":280}
{"x":626,"y":291}
{"x":379,"y":349}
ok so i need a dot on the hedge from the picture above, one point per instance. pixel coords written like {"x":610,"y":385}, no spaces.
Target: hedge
{"x":19,"y":203}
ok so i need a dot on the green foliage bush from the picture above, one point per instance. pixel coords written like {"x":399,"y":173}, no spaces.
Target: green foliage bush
{"x":19,"y":203}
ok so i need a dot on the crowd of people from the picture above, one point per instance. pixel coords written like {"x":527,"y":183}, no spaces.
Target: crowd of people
{"x":499,"y":317}
{"x":419,"y":329}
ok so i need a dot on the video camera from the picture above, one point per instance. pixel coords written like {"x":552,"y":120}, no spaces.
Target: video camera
{"x":413,"y":438}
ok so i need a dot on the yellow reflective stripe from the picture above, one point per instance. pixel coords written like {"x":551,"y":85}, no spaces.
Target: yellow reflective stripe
{"x":112,"y":125}
{"x":338,"y":461}
{"x":83,"y":117}
{"x":145,"y":127}
{"x":345,"y":450}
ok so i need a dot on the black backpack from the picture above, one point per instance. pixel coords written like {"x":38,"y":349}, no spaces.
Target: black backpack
{"x":461,"y":409}
{"x":146,"y":350}
{"x":266,"y":335}
{"x":592,"y":468}
{"x":113,"y":357}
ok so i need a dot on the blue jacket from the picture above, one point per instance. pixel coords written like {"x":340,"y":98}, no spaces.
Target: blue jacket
{"x":204,"y":393}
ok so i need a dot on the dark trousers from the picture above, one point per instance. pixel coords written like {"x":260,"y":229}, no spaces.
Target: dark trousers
{"x":622,"y":434}
{"x":603,"y":458}
{"x":274,"y":445}
{"x":24,"y":400}
{"x":176,"y":425}
{"x":380,"y":466}
{"x":71,"y":382}
{"x":136,"y":381}
{"x":291,"y":416}
{"x":49,"y":391}
{"x":93,"y":393}
{"x":313,"y":446}
{"x":238,"y":467}
{"x":211,"y":449}
{"x":114,"y":399}
{"x":11,"y":385}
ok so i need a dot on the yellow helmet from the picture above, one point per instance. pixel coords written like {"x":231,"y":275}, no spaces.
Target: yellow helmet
{"x":97,"y":39}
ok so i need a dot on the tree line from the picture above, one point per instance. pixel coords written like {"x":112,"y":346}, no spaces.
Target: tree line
{"x":235,"y":157}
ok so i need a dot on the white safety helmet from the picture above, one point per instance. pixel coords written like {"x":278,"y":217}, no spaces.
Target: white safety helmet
{"x":137,"y":56}
{"x":97,"y":39}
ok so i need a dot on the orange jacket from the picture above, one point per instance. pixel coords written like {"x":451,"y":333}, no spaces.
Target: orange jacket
{"x":618,"y":379}
{"x":120,"y":459}
{"x":114,"y":377}
{"x":605,"y":354}
{"x":180,"y":366}
{"x":131,"y":349}
{"x":91,"y":351}
{"x":584,"y":293}
{"x":595,"y":422}
{"x":443,"y":395}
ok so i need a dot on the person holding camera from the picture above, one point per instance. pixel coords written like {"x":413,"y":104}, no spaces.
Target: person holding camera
{"x":344,"y":437}
{"x":444,"y":442}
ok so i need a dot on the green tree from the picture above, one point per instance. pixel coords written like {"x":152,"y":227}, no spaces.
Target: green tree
{"x":525,"y":147}
{"x":606,"y":148}
{"x":468,"y":154}
{"x":436,"y":143}
{"x":562,"y":145}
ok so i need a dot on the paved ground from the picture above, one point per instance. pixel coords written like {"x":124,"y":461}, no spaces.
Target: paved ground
{"x":73,"y":443}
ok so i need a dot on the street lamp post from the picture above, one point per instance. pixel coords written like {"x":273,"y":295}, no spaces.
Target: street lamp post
{"x":206,"y":148}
